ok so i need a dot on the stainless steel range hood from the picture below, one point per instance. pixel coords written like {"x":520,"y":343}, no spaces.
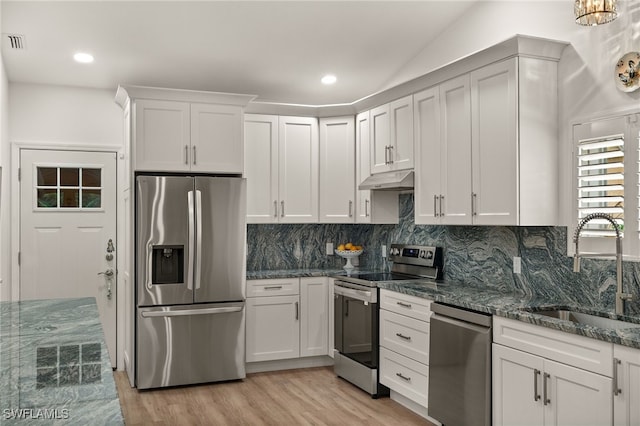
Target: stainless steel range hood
{"x":389,"y":181}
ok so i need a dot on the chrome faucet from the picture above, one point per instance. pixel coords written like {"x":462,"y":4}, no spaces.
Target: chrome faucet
{"x":621,"y":296}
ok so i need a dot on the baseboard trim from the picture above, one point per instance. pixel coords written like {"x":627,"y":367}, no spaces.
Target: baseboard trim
{"x":288,"y":364}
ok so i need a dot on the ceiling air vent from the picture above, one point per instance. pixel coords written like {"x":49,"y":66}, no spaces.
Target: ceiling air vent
{"x":15,"y":41}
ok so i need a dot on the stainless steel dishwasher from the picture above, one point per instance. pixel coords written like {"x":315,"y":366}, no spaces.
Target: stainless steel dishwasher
{"x":460,"y":366}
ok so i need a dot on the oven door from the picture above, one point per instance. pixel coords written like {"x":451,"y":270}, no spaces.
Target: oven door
{"x":356,"y":322}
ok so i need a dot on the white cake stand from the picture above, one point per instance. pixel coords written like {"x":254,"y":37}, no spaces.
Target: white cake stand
{"x":348,"y":254}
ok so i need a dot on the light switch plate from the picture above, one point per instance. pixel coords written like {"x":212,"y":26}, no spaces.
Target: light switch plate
{"x":517,"y":265}
{"x":329,"y":249}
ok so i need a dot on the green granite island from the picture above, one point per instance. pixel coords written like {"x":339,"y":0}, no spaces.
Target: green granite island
{"x":54,"y":365}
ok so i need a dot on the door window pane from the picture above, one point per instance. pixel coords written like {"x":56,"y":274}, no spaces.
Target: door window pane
{"x":69,"y":177}
{"x":47,"y":176}
{"x":91,"y":198}
{"x":91,"y":177}
{"x":69,"y":198}
{"x":47,"y":198}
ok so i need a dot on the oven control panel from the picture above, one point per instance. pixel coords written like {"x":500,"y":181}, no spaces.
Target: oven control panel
{"x":416,"y":255}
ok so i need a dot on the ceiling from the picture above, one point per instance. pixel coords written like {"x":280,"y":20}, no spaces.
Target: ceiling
{"x":276,"y":50}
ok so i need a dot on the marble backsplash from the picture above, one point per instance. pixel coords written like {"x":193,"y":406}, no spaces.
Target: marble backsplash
{"x":475,"y":255}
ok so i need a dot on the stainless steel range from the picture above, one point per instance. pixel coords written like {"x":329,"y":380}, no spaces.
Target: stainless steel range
{"x":356,"y":353}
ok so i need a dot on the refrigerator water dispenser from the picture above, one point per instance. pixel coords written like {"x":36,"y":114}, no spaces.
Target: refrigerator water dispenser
{"x":167,"y":265}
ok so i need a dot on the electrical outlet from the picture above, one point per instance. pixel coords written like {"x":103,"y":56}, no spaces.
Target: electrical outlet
{"x":517,"y":265}
{"x":384,"y":251}
{"x":329,"y":249}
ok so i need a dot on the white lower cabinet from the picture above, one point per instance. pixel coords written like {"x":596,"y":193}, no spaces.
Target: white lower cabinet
{"x":626,"y":383}
{"x":287,"y":318}
{"x":404,"y":345}
{"x":532,"y":389}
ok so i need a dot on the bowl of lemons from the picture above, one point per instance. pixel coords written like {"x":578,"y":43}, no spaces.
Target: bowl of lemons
{"x":349,"y":251}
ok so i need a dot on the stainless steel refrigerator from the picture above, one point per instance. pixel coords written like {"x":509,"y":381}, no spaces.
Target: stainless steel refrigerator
{"x":190,"y":270}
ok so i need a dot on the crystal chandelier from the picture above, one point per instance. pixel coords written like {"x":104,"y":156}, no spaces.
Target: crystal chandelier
{"x":595,"y":12}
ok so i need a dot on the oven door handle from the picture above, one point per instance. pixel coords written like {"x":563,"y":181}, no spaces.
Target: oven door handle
{"x":362,"y":295}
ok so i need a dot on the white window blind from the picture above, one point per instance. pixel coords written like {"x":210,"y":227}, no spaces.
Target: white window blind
{"x":601,"y":182}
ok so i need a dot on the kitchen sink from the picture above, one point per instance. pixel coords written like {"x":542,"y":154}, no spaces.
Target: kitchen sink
{"x":587,"y":319}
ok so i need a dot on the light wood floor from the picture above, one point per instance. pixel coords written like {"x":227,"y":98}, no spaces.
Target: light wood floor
{"x":313,"y":396}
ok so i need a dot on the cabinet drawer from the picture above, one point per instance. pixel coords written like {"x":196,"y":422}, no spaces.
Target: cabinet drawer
{"x":404,"y":335}
{"x":412,"y":306}
{"x":578,"y":351}
{"x":405,"y":376}
{"x":273,"y":287}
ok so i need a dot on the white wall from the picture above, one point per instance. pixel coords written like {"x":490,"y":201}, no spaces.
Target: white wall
{"x":5,"y":205}
{"x":42,"y":113}
{"x":586,"y":69}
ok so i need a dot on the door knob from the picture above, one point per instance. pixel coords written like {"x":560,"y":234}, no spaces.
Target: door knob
{"x":108,"y":274}
{"x":110,"y":250}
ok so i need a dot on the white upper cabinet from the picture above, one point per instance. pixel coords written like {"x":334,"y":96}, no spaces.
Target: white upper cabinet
{"x":378,"y":207}
{"x":443,"y":153}
{"x":391,"y":127}
{"x":184,"y":130}
{"x":337,"y":170}
{"x":281,"y":169}
{"x":162,"y":135}
{"x":486,"y":146}
{"x":216,"y":138}
{"x":261,"y":171}
{"x":298,"y":169}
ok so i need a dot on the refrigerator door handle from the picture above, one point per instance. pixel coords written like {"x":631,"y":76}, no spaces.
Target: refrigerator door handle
{"x":186,"y":312}
{"x":191,"y":240}
{"x":198,"y":266}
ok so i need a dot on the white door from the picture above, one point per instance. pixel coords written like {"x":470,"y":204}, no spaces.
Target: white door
{"x":67,"y":219}
{"x":314,"y":321}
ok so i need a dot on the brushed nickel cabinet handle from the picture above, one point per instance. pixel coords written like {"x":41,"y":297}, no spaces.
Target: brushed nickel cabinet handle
{"x":544,"y":388}
{"x":441,"y":203}
{"x":194,"y":155}
{"x":404,"y":305}
{"x":536,"y":395}
{"x":366,"y":208}
{"x":186,"y":154}
{"x":275,"y":208}
{"x":386,"y":154}
{"x":435,"y":202}
{"x":616,"y":386}
{"x":403,"y":337}
{"x":403,"y":377}
{"x":390,"y":154}
{"x":273,"y":287}
{"x":474,"y":201}
{"x":297,"y":311}
{"x":281,"y":208}
{"x":350,"y":208}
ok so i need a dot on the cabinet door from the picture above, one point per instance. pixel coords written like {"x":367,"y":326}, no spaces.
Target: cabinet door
{"x":401,"y":130}
{"x":337,"y":170}
{"x":426,"y":110}
{"x":216,"y":139}
{"x":626,"y":409}
{"x":162,"y":136}
{"x":495,"y":144}
{"x":273,"y":330}
{"x":380,"y":139}
{"x":363,"y":168}
{"x":577,"y":397}
{"x":261,"y":160}
{"x":298,"y":169}
{"x":455,"y":154}
{"x":517,"y":388}
{"x":314,"y":316}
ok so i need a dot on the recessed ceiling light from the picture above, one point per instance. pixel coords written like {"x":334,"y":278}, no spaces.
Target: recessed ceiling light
{"x":329,"y":79}
{"x":83,"y":58}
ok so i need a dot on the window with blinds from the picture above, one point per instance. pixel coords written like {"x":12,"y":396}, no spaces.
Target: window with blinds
{"x":601,"y":182}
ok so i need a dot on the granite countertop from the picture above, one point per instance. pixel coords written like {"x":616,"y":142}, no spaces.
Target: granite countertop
{"x":292,"y":273}
{"x":54,"y":365}
{"x":519,"y":307}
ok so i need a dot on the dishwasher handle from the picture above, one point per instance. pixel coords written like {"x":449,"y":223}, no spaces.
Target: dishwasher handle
{"x":478,"y":318}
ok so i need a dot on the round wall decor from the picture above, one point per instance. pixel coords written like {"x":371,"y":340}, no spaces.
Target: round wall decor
{"x":627,"y":72}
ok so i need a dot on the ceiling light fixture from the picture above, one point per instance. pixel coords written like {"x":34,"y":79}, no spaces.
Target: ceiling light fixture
{"x":595,"y":12}
{"x":329,"y":79}
{"x":83,"y":58}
